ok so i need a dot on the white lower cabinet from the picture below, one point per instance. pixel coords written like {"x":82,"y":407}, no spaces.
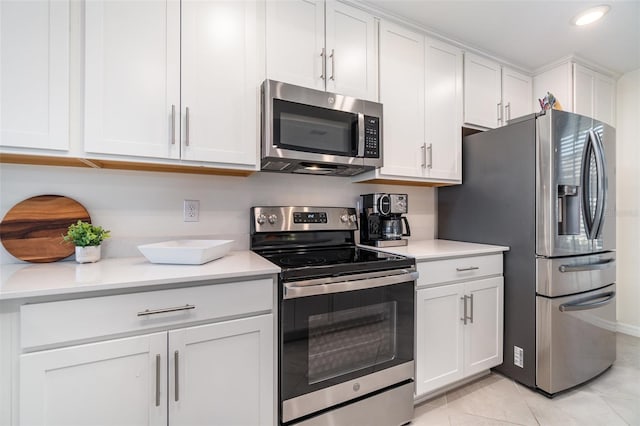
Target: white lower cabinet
{"x":459,"y":328}
{"x":215,"y":374}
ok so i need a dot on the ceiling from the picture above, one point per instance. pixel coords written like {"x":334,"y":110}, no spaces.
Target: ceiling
{"x":530,"y":33}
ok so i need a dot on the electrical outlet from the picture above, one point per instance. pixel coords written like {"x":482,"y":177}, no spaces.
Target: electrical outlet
{"x":518,"y":356}
{"x":191,"y":210}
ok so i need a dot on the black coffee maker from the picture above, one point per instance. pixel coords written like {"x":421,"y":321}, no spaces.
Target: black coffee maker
{"x":381,"y":220}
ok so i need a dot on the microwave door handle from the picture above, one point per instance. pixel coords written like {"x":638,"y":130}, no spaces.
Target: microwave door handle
{"x":406,"y":224}
{"x":586,"y":190}
{"x":361,"y":135}
{"x":602,"y":183}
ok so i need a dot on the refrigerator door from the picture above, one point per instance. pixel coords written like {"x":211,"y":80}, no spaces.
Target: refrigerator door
{"x":575,"y":338}
{"x":575,"y":185}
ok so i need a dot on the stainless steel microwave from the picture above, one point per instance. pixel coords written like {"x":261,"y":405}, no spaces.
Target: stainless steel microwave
{"x":315,"y":132}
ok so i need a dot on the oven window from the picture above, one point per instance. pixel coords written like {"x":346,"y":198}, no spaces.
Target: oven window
{"x":312,"y":129}
{"x":349,"y":340}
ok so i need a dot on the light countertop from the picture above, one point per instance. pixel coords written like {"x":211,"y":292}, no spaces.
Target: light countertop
{"x":26,"y":280}
{"x":423,"y":250}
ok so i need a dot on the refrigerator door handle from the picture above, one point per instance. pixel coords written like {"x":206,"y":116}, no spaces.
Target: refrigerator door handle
{"x":589,"y":218}
{"x":587,"y":266}
{"x":602,"y":183}
{"x":588,"y":302}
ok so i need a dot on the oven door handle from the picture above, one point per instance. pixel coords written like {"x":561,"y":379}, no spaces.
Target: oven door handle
{"x":293,"y":290}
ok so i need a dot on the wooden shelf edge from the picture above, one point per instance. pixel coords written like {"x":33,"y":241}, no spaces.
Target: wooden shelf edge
{"x":39,"y":160}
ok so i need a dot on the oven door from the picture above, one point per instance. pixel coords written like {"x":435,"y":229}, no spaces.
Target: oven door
{"x":343,"y":340}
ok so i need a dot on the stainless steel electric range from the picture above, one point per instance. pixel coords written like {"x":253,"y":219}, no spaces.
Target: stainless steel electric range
{"x":345,"y":319}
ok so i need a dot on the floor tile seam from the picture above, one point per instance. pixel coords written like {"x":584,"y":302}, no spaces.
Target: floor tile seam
{"x":613,"y":409}
{"x":486,"y":418}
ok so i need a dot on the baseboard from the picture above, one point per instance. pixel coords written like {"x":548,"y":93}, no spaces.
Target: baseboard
{"x":418,"y":399}
{"x":631,"y":330}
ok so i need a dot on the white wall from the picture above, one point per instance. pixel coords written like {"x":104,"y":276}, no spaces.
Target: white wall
{"x":628,"y":202}
{"x":140,"y":207}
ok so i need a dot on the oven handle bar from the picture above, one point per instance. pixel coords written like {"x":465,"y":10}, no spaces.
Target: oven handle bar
{"x":330,"y":285}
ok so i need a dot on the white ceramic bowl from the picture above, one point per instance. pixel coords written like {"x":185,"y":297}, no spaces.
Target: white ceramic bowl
{"x":186,"y":252}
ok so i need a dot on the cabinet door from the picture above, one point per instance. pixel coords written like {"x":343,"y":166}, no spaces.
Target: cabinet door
{"x":483,"y":335}
{"x":220,"y":81}
{"x":34,"y":74}
{"x":482,"y":97}
{"x":439,"y":338}
{"x":443,"y":107}
{"x":132,"y":77}
{"x":295,"y":42}
{"x":222,"y":374}
{"x":351,"y":51}
{"x":402,"y":94}
{"x":516,"y":94}
{"x":557,"y":80}
{"x":117,"y":382}
{"x":583,"y":90}
{"x":605,"y":99}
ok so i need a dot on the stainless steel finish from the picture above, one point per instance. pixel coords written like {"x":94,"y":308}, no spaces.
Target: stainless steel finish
{"x":324,"y":63}
{"x":471,"y":316}
{"x":333,"y":64}
{"x":352,"y":277}
{"x":284,"y":219}
{"x":176,"y":375}
{"x":165,"y":310}
{"x":430,"y":149}
{"x":590,"y":302}
{"x":470,"y":268}
{"x":587,"y":266}
{"x":173,"y":124}
{"x":564,"y":276}
{"x":393,"y":407}
{"x":274,"y":218}
{"x":186,"y":134}
{"x":574,"y":346}
{"x":389,"y":243}
{"x":424,"y":155}
{"x":157,"y":380}
{"x":499,"y":106}
{"x":561,"y":141}
{"x":327,"y":397}
{"x":464,"y":309}
{"x":287,"y":160}
{"x":297,"y":289}
{"x":507,"y":109}
{"x":398,"y":203}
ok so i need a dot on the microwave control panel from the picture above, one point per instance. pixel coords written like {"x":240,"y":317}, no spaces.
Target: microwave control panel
{"x":371,"y":137}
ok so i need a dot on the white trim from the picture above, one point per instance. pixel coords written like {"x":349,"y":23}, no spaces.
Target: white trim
{"x":419,"y":399}
{"x":631,"y":330}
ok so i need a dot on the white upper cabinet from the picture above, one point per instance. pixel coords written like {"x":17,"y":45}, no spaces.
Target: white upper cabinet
{"x":325,"y":46}
{"x":482,"y":92}
{"x":132,"y":78}
{"x":34,"y":74}
{"x":516,"y":94}
{"x":579,"y":89}
{"x":154,"y":90}
{"x":443,"y":100}
{"x":494,"y":94}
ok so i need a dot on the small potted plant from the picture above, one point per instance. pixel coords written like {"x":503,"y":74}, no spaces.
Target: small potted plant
{"x":87,"y":239}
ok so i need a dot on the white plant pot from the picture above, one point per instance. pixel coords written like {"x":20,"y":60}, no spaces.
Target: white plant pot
{"x":89,"y":254}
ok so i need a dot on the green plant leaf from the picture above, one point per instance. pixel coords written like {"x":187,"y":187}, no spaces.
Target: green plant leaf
{"x":83,"y":234}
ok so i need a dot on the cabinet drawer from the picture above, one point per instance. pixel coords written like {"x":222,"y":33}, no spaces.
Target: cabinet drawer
{"x":458,"y":269}
{"x":52,"y":323}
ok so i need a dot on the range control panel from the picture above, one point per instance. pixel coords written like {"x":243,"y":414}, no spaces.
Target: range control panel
{"x":283,"y":219}
{"x":309,"y":217}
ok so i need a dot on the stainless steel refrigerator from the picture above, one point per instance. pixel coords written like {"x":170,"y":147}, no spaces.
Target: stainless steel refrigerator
{"x":544,"y":185}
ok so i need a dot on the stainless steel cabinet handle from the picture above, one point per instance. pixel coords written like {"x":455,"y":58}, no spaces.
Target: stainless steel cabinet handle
{"x":157,"y":380}
{"x":470,"y":268}
{"x":499,"y":113}
{"x":176,"y":374}
{"x":588,"y":302}
{"x":186,"y":135}
{"x":507,"y":109}
{"x":430,"y":149}
{"x":471,"y":317}
{"x":165,"y":310}
{"x":464,"y":309}
{"x":604,"y":264}
{"x":333,"y":65}
{"x":173,"y":124}
{"x":324,"y":63}
{"x":424,"y":155}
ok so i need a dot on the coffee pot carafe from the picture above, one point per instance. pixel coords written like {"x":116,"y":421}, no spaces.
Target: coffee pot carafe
{"x":381,"y":220}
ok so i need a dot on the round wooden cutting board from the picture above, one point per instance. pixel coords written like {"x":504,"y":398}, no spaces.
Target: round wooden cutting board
{"x":33,"y":229}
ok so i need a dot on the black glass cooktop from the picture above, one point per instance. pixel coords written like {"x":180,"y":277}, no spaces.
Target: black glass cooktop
{"x":308,"y":263}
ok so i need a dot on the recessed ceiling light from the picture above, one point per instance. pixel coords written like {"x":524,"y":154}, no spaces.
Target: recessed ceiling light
{"x":591,"y":15}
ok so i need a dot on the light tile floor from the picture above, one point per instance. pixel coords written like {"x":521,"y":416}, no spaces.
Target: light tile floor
{"x":609,"y":400}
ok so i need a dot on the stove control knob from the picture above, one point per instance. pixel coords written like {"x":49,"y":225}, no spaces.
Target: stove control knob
{"x":262,"y":219}
{"x":345,"y":218}
{"x":273,"y":218}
